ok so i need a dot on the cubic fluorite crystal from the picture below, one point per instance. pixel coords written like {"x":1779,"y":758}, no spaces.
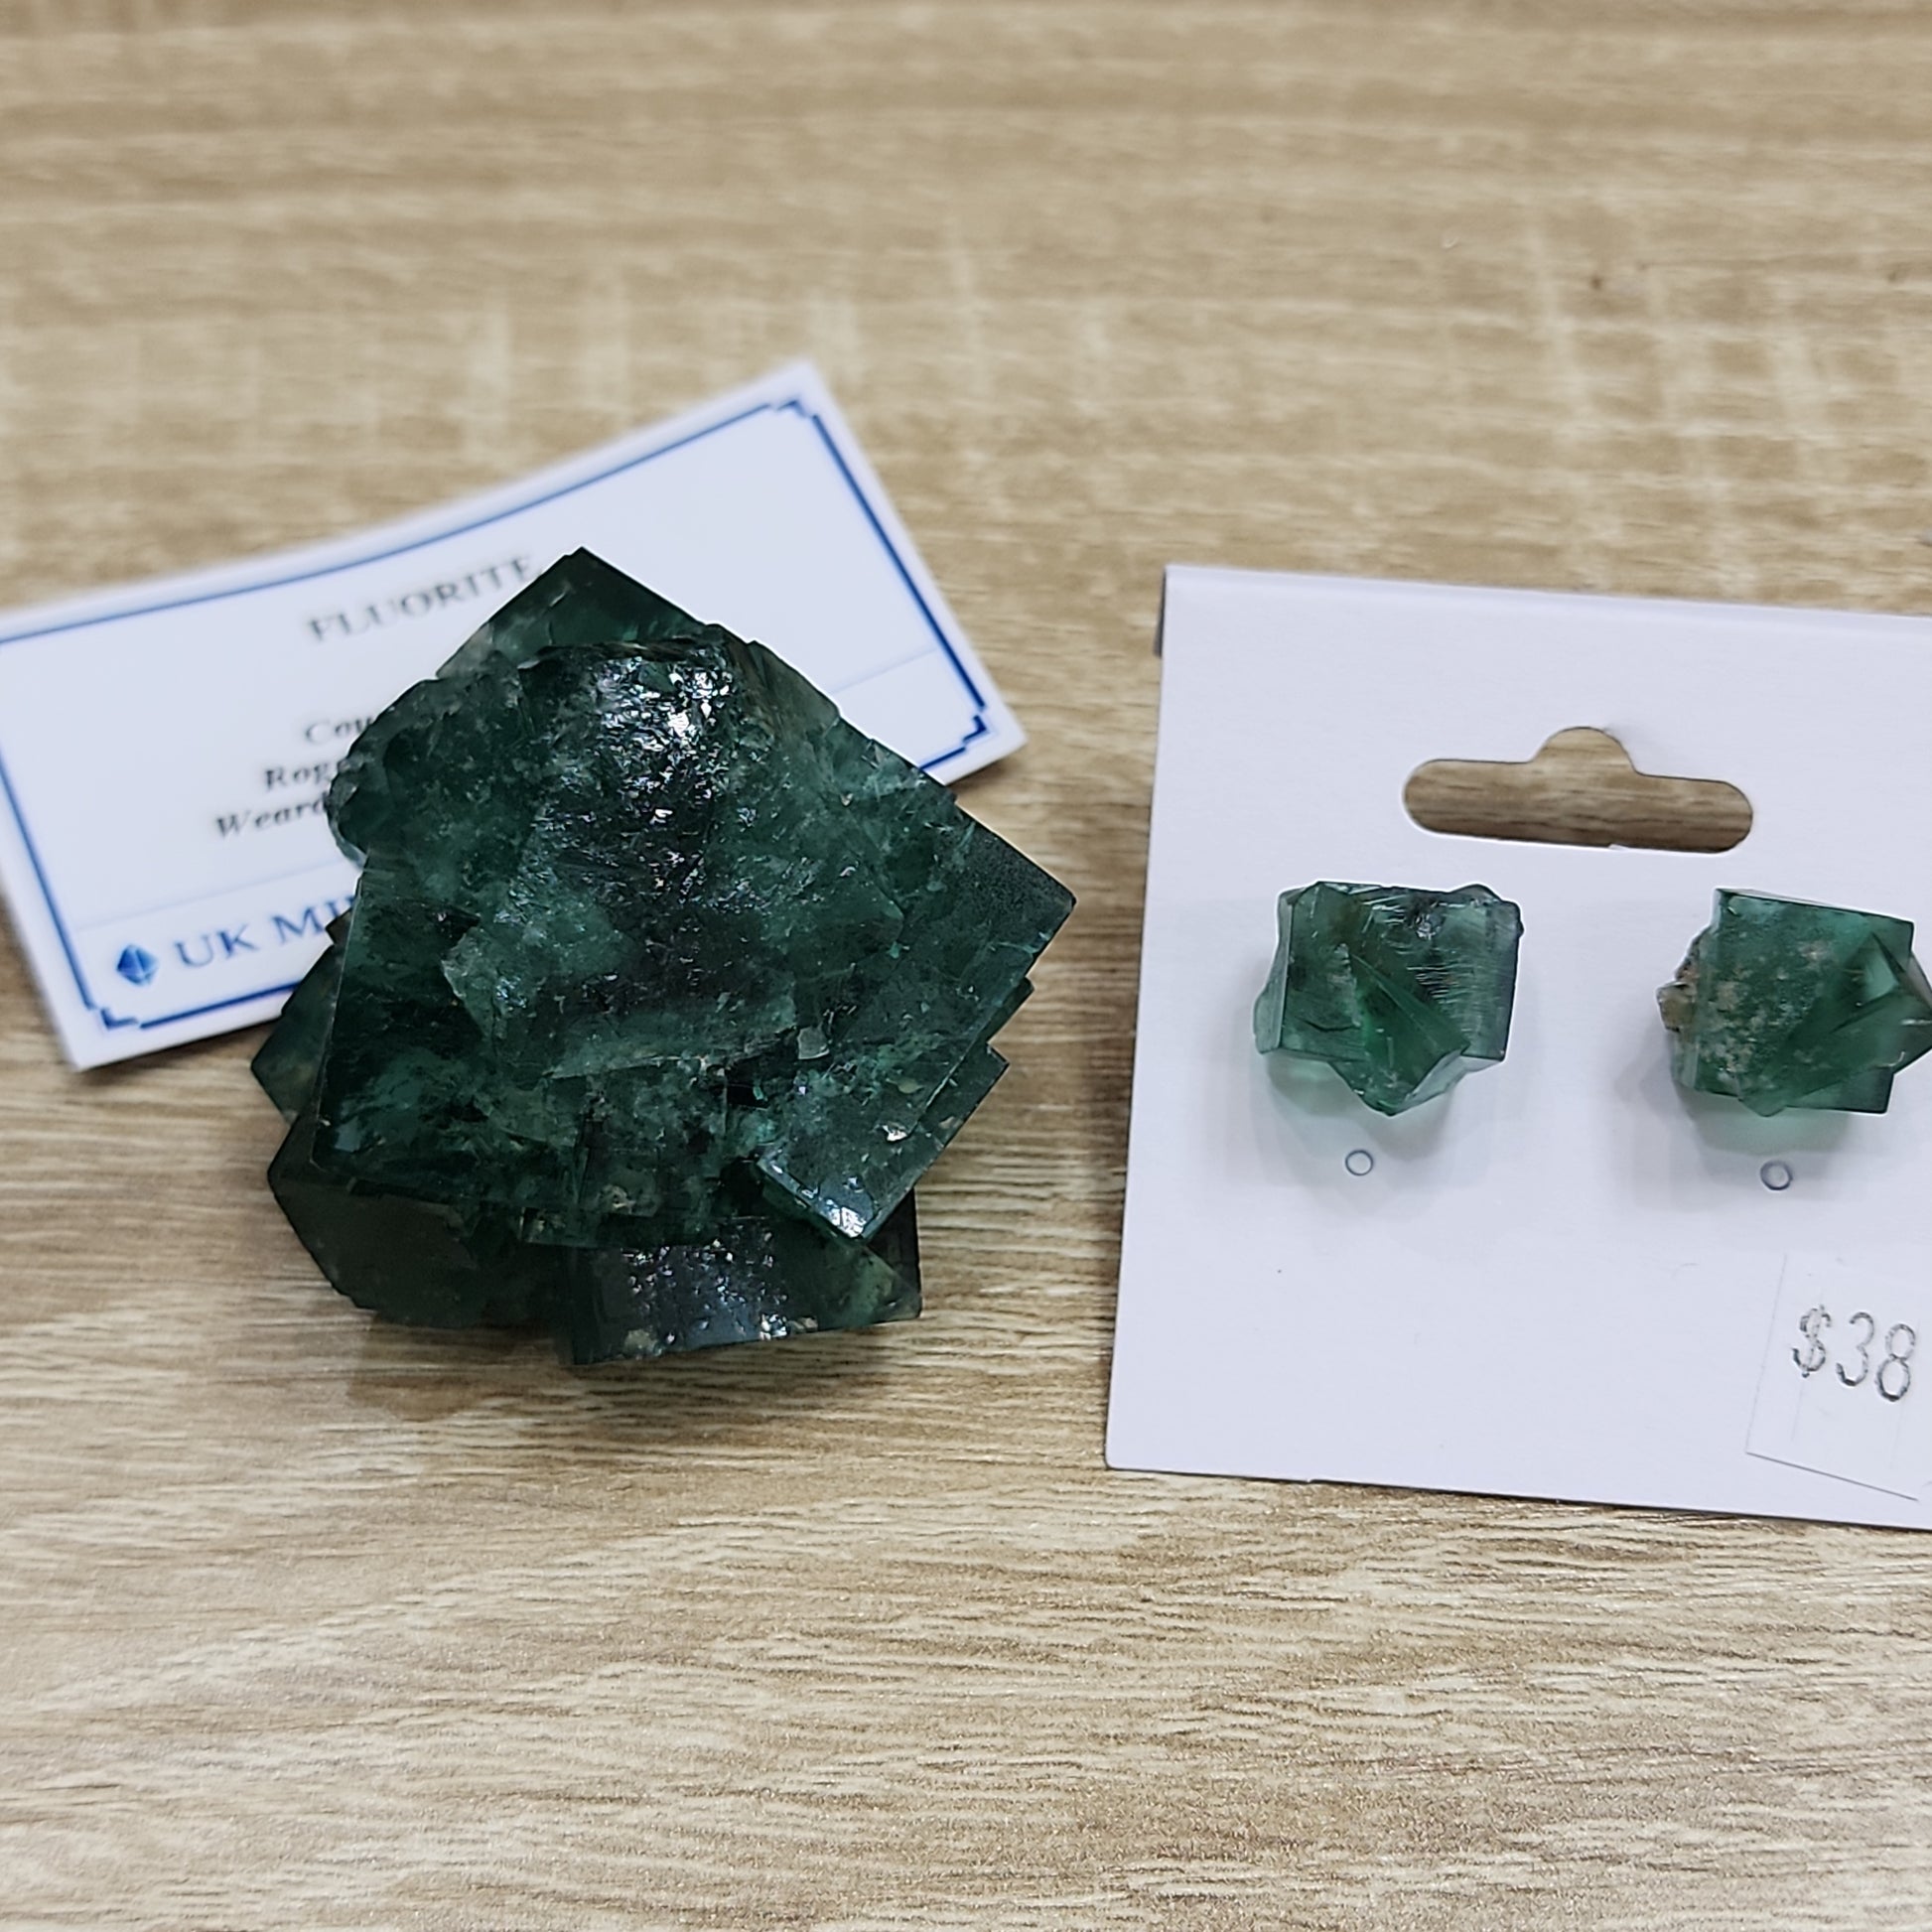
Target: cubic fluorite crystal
{"x":1785,"y":1004}
{"x":1401,"y":992}
{"x":662,"y":987}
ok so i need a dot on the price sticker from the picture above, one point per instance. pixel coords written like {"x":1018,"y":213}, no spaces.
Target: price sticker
{"x":1842,"y":1389}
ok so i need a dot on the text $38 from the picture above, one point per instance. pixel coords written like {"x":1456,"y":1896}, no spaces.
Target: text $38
{"x":1891,"y":1375}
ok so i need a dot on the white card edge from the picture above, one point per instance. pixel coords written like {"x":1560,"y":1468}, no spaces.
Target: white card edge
{"x":1905,"y":623}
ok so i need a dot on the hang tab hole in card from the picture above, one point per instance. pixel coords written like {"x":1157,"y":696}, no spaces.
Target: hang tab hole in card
{"x":1580,"y":788}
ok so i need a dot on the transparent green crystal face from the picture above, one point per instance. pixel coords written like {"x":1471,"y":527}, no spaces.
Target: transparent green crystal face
{"x":1401,"y":992}
{"x":1785,"y":1004}
{"x":662,"y":987}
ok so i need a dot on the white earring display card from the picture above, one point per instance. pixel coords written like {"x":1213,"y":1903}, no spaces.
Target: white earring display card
{"x":165,"y":749}
{"x":1567,"y":1278}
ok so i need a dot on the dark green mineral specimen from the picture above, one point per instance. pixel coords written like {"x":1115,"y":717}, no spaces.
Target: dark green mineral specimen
{"x":1401,"y":992}
{"x":1783,"y":1004}
{"x":661,"y":988}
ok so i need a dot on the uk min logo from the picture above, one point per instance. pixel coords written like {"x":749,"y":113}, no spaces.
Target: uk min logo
{"x":136,"y":965}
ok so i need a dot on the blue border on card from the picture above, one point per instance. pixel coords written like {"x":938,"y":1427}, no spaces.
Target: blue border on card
{"x":795,"y":405}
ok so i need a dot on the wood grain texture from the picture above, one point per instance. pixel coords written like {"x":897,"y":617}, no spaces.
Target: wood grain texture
{"x":1579,"y":787}
{"x":305,"y":1622}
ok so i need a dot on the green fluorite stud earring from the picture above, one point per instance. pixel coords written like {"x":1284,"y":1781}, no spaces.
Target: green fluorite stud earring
{"x":1401,"y":992}
{"x":1783,"y":1004}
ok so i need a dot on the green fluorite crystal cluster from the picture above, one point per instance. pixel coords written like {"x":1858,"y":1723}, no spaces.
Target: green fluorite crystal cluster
{"x":1783,"y":1004}
{"x":661,"y":988}
{"x":1401,"y":992}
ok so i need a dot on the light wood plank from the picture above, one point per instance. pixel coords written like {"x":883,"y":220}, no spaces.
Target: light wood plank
{"x":309,"y":1622}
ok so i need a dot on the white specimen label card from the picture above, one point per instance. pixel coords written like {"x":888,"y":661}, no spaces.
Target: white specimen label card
{"x":1566,"y":1278}
{"x":1841,"y":1390}
{"x":165,"y":749}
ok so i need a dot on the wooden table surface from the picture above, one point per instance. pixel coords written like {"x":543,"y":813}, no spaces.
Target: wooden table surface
{"x":305,"y":1622}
